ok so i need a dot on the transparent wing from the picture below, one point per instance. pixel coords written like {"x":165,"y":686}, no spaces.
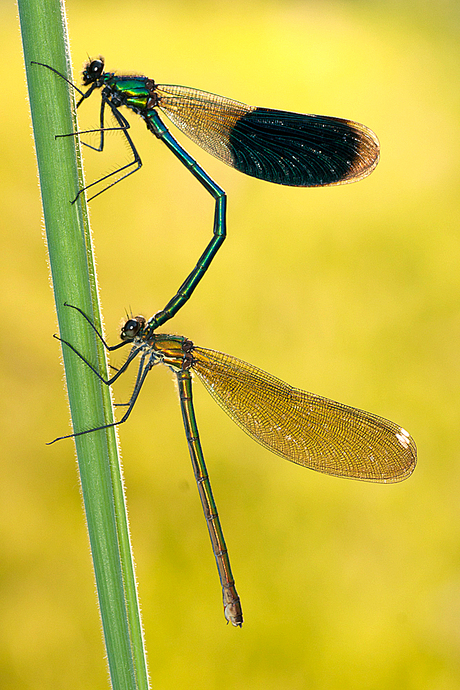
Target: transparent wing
{"x":306,"y":428}
{"x":273,"y":145}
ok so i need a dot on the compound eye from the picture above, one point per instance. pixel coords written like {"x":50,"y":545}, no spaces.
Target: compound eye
{"x":96,"y":68}
{"x":130,"y":329}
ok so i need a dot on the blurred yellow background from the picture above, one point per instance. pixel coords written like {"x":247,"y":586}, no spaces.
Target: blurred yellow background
{"x":350,"y":292}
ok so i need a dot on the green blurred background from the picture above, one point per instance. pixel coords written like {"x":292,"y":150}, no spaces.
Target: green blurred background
{"x":351,"y":292}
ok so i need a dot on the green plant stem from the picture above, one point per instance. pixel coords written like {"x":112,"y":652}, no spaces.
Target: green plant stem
{"x":44,"y":37}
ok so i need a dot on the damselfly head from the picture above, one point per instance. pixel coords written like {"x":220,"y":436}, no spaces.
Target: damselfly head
{"x":93,"y":70}
{"x":131,"y":328}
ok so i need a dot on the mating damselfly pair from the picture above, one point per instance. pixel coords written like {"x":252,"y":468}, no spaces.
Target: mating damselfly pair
{"x":281,"y":147}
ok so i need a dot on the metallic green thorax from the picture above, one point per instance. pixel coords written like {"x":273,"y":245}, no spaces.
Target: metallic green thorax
{"x":132,"y":91}
{"x":172,"y":350}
